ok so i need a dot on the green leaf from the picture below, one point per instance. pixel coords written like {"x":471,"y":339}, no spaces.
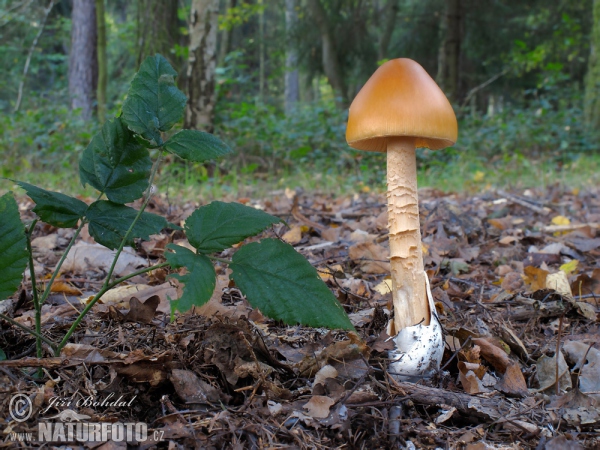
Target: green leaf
{"x":55,"y":208}
{"x":108,"y":223}
{"x":115,"y":163}
{"x":199,"y":281}
{"x":219,"y":225}
{"x":13,"y":247}
{"x":284,"y":286}
{"x":2,"y":355}
{"x":196,"y":146}
{"x":153,"y":104}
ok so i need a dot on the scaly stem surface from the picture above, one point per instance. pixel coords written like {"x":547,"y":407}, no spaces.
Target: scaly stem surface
{"x":406,"y":255}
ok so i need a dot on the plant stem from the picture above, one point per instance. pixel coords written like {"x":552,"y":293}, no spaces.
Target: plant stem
{"x":107,"y":284}
{"x":214,"y":258}
{"x":51,"y":343}
{"x":148,"y":196}
{"x":60,"y":263}
{"x":34,"y":291}
{"x":90,"y":305}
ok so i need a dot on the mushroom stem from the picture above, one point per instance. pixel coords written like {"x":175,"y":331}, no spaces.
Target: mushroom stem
{"x":406,"y":256}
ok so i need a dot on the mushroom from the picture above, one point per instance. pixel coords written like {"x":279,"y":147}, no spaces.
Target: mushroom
{"x":399,"y":109}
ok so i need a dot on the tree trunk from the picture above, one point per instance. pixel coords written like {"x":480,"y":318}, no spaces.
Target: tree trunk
{"x":391,"y":11}
{"x":330,"y":60}
{"x":449,"y":53}
{"x":292,"y":88}
{"x":199,"y":113}
{"x":102,"y":63}
{"x":83,"y":64}
{"x":226,"y":37}
{"x":592,"y":82}
{"x":158,"y":30}
{"x":261,"y":51}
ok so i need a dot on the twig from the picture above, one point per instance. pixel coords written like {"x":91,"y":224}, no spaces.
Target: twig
{"x":513,"y":198}
{"x":476,"y":89}
{"x":29,"y":55}
{"x":570,"y":227}
{"x":560,"y":325}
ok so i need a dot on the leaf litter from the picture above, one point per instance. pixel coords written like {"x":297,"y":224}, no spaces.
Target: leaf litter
{"x":515,"y":279}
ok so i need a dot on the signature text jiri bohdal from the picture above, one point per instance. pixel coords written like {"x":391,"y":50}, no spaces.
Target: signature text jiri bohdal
{"x":90,"y":402}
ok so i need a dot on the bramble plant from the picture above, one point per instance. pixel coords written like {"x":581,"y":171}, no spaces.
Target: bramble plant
{"x":117,"y":162}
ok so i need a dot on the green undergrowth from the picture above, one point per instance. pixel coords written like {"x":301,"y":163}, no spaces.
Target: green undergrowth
{"x":542,"y":144}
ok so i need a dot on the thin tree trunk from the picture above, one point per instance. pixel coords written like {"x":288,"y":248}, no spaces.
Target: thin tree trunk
{"x":199,"y":113}
{"x":592,"y":82}
{"x":330,"y":59}
{"x":83,"y":63}
{"x":30,"y":54}
{"x":226,"y":37}
{"x":391,"y":11}
{"x":449,"y":53}
{"x":292,"y":85}
{"x":261,"y":51}
{"x":102,"y":62}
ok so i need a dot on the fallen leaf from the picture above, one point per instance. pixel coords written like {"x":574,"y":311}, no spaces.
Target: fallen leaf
{"x":535,"y":278}
{"x":546,"y":372}
{"x":142,"y":312}
{"x":513,"y":382}
{"x":192,"y":389}
{"x":560,"y":220}
{"x":95,"y":257}
{"x":318,"y":406}
{"x":293,"y":236}
{"x":372,"y":257}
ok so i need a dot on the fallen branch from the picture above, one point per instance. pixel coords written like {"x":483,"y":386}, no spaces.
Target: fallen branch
{"x":529,"y":205}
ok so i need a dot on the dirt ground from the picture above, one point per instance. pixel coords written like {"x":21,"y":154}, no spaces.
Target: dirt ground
{"x":516,"y":281}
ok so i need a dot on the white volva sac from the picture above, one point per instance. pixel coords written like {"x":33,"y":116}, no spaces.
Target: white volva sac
{"x":419,"y":349}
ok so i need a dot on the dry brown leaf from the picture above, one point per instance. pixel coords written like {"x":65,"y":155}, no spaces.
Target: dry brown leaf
{"x":318,"y":406}
{"x":535,"y":278}
{"x":142,"y":312}
{"x":513,"y":382}
{"x":493,"y":354}
{"x":372,"y":257}
{"x":192,"y":389}
{"x":294,"y":235}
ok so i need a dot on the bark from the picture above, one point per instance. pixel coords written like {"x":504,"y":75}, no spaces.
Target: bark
{"x":102,"y":62}
{"x":199,"y":113}
{"x":261,"y":52}
{"x":83,"y":63}
{"x":330,"y":58}
{"x":449,"y":52}
{"x":292,"y":85}
{"x":226,"y":37}
{"x":592,"y":82}
{"x":406,"y":255}
{"x":158,"y":29}
{"x":391,"y":11}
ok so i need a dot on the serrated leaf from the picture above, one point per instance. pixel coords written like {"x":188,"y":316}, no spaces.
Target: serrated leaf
{"x":108,"y":223}
{"x":196,"y":146}
{"x":219,"y":225}
{"x":153,"y":104}
{"x":199,"y":281}
{"x":13,"y":247}
{"x":55,"y":208}
{"x":284,"y":286}
{"x":115,"y":163}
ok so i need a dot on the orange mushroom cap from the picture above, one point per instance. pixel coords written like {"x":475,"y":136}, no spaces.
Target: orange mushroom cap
{"x":401,"y":99}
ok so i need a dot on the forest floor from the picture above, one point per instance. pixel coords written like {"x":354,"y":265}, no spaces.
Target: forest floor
{"x":515,"y":278}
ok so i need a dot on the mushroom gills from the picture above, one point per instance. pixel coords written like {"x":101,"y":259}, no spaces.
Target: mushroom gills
{"x":419,"y":348}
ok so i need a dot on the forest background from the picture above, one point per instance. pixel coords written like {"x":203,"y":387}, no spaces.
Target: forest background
{"x":274,"y":79}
